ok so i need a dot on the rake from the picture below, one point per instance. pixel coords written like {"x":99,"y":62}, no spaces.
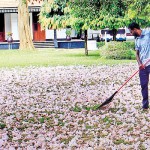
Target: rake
{"x":108,"y":100}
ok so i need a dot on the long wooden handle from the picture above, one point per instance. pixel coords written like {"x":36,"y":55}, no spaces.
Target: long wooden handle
{"x":131,"y":77}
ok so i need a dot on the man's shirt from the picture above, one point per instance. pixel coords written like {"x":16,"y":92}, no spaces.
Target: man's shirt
{"x":142,"y":44}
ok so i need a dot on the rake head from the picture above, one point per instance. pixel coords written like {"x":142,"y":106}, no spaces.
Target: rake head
{"x":108,"y":100}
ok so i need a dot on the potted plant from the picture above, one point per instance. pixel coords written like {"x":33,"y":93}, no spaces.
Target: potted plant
{"x":68,"y":34}
{"x":9,"y":37}
{"x":9,"y":40}
{"x":9,"y":34}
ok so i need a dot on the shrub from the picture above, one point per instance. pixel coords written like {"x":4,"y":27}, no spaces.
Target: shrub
{"x":100,"y":44}
{"x":118,"y":50}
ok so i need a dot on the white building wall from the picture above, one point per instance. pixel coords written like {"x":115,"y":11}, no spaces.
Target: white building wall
{"x":49,"y":34}
{"x":73,"y":33}
{"x":11,"y":25}
{"x":31,"y":24}
{"x":93,"y":33}
{"x":7,"y":18}
{"x":14,"y":26}
{"x":61,"y":34}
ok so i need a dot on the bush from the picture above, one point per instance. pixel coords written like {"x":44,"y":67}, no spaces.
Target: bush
{"x":118,"y":50}
{"x":100,"y":44}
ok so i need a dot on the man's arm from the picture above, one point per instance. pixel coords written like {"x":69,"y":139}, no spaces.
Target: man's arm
{"x":141,"y":66}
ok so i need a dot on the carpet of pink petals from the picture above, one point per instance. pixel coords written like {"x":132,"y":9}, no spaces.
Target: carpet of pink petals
{"x":49,"y":108}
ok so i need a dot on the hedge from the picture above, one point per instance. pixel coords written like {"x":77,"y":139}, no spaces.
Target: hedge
{"x":118,"y":50}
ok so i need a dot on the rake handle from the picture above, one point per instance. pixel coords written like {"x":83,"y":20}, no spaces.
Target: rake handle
{"x":127,"y":80}
{"x":131,"y":77}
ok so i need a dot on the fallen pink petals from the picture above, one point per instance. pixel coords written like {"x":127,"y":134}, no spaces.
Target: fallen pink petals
{"x":53,"y":108}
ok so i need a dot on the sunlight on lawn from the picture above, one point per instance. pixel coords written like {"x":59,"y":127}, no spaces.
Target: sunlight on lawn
{"x":53,"y":57}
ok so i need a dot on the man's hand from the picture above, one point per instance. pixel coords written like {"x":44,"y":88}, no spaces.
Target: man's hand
{"x":141,"y":66}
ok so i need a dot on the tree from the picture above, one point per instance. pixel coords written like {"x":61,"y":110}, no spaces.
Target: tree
{"x":23,"y":25}
{"x":97,"y":14}
{"x":119,"y":13}
{"x":100,"y":14}
{"x":112,"y":15}
{"x":83,"y":15}
{"x":139,"y":11}
{"x":54,"y":16}
{"x":92,"y":14}
{"x":57,"y":14}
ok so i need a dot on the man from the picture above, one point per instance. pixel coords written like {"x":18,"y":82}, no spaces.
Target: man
{"x":142,"y":47}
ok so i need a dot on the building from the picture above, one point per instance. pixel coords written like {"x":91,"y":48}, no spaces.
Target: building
{"x":9,"y":22}
{"x":41,"y":38}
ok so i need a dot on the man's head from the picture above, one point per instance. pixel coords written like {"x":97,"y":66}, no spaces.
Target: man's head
{"x":135,"y":29}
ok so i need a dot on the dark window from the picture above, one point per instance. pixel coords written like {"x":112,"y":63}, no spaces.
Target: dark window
{"x":35,"y":26}
{"x":2,"y":22}
{"x":35,"y":21}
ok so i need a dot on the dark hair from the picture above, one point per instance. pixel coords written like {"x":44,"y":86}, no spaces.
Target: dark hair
{"x":133,"y":25}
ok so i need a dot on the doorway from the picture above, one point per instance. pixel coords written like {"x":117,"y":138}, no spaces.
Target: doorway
{"x":38,"y":34}
{"x":2,"y":32}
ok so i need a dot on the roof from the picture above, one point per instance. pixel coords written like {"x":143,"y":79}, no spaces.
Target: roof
{"x":14,"y":3}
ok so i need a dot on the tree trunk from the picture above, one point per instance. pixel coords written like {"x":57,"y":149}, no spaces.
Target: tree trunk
{"x":26,"y":42}
{"x":114,"y":31}
{"x":55,"y":39}
{"x":86,"y":50}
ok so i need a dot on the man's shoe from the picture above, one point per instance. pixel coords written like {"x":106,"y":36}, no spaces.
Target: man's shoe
{"x":145,"y":109}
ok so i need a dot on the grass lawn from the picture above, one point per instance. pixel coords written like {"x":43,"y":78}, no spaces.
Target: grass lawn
{"x":53,"y":57}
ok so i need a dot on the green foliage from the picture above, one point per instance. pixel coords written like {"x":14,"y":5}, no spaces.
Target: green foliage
{"x":97,"y":15}
{"x":68,"y":31}
{"x":118,"y":50}
{"x":24,"y":1}
{"x":139,"y":11}
{"x":100,"y":44}
{"x":53,"y":57}
{"x":54,"y":15}
{"x":107,"y":120}
{"x":86,"y":108}
{"x":77,"y":109}
{"x":2,"y":125}
{"x":94,"y":108}
{"x":113,"y":19}
{"x":60,"y":122}
{"x":94,"y":14}
{"x":41,"y":120}
{"x":83,"y":14}
{"x":119,"y":141}
{"x":88,"y":127}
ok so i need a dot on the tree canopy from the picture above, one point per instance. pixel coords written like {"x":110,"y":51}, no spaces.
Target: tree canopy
{"x":94,"y":14}
{"x":98,"y":14}
{"x":53,"y":14}
{"x":139,"y":11}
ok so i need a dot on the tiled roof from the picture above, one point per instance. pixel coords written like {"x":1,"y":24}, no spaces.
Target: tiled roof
{"x":14,"y":3}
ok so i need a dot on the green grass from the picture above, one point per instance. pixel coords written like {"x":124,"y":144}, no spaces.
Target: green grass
{"x":53,"y":57}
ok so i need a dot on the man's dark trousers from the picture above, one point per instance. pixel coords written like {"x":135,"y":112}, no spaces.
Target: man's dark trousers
{"x":144,"y":80}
